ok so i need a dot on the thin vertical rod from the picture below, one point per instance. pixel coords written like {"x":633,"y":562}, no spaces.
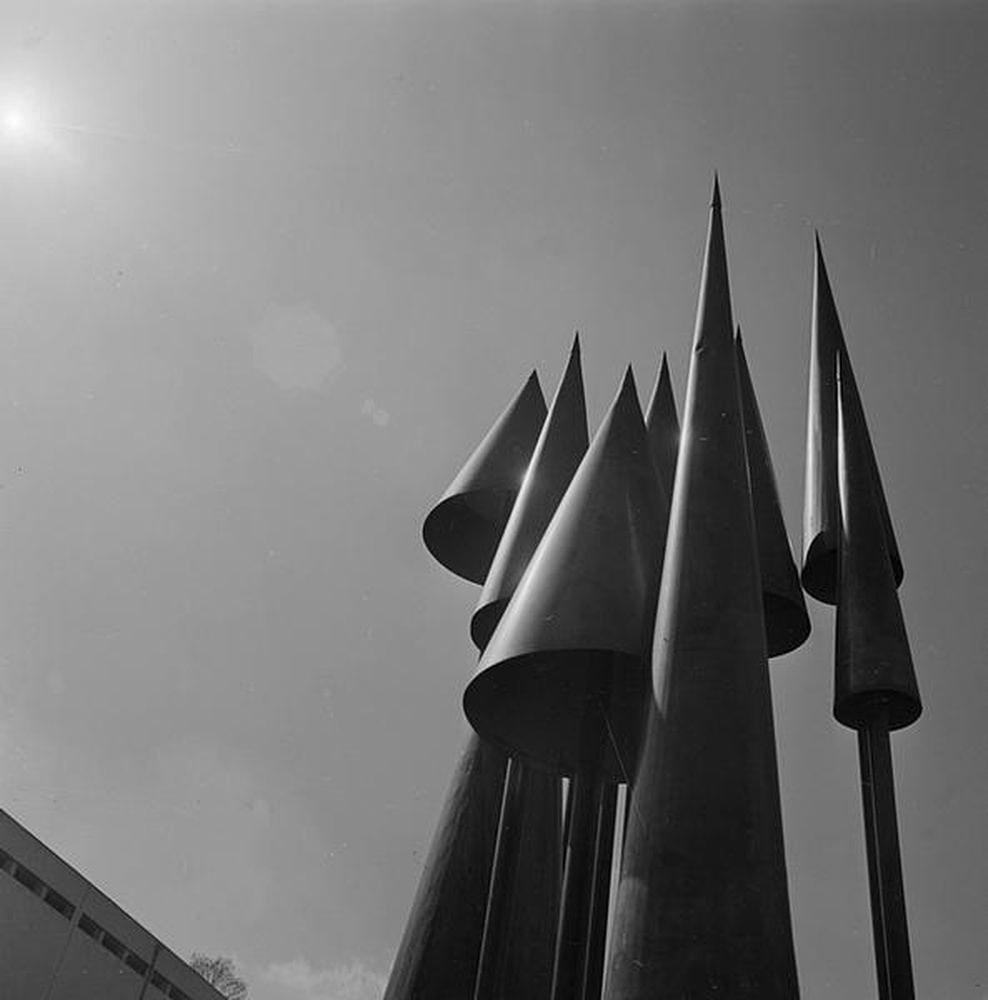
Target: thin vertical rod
{"x":503,"y":870}
{"x":568,"y":964}
{"x":572,"y":934}
{"x":888,"y":902}
{"x":593,"y":968}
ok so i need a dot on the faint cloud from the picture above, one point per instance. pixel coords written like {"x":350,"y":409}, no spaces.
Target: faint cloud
{"x":295,"y":347}
{"x":298,"y":980}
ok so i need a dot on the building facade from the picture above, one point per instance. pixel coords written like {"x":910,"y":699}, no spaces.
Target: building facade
{"x":63,"y":939}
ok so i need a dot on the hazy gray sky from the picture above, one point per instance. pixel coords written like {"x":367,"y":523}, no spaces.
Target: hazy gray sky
{"x":269,"y":269}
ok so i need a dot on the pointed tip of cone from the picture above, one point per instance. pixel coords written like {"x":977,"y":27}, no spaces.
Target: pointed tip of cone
{"x":628,"y":382}
{"x":533,"y":381}
{"x":664,"y":366}
{"x":574,"y":363}
{"x":821,"y":266}
{"x":715,"y":196}
{"x":737,"y":337}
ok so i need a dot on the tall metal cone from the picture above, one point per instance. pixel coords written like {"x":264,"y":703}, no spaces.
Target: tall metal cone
{"x":568,"y":653}
{"x":662,"y":425}
{"x":875,"y":685}
{"x":440,"y":948}
{"x":561,"y":446}
{"x":463,"y":529}
{"x":821,"y":513}
{"x":787,"y":624}
{"x":874,"y":668}
{"x":702,"y":907}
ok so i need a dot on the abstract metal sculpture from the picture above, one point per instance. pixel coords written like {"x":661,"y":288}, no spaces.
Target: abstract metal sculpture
{"x":874,"y":683}
{"x":562,"y":680}
{"x":702,"y":907}
{"x":821,"y":513}
{"x":590,"y":576}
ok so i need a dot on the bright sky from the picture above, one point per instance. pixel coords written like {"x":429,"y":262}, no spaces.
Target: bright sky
{"x":267,"y":272}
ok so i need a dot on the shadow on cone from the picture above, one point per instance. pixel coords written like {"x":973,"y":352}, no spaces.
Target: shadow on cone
{"x":570,"y":644}
{"x":787,"y":624}
{"x":561,"y":446}
{"x":463,"y":529}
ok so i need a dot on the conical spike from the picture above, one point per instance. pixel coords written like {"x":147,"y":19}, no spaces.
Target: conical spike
{"x":572,"y":635}
{"x":702,"y":907}
{"x":874,"y":669}
{"x":786,"y":622}
{"x":560,"y":447}
{"x":821,"y":515}
{"x":462,"y":531}
{"x":662,"y":425}
{"x":441,"y":944}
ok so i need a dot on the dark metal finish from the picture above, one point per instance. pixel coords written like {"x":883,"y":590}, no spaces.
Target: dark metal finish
{"x":530,"y":939}
{"x":662,"y":425}
{"x":888,"y":900}
{"x":522,"y":904}
{"x":576,"y":625}
{"x":703,"y":908}
{"x":439,"y":950}
{"x":873,"y":666}
{"x":787,"y":624}
{"x":574,"y":915}
{"x":593,"y":966}
{"x":821,"y":513}
{"x":561,"y":446}
{"x":462,"y":531}
{"x":503,"y":871}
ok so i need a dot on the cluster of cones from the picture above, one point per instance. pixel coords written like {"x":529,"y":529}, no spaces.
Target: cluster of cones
{"x":634,"y":588}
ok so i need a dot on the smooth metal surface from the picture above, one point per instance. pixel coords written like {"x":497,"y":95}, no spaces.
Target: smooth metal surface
{"x":603,"y":858}
{"x":516,"y":954}
{"x":873,"y":670}
{"x":574,"y":911}
{"x":463,"y":529}
{"x":573,"y":938}
{"x":572,"y":639}
{"x":529,"y":943}
{"x":662,"y":425}
{"x":440,"y":947}
{"x":821,"y":512}
{"x":702,"y":907}
{"x":787,"y":625}
{"x":560,"y":448}
{"x":888,"y":899}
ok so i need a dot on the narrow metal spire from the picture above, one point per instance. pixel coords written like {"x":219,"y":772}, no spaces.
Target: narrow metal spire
{"x":702,"y":907}
{"x":787,"y":625}
{"x":821,"y":515}
{"x":875,"y":684}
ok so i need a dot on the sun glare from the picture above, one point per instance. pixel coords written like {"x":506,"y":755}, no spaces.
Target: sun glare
{"x":17,"y":122}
